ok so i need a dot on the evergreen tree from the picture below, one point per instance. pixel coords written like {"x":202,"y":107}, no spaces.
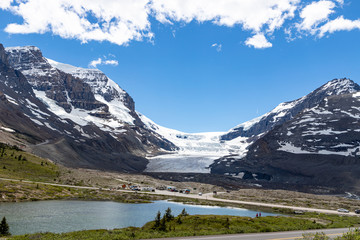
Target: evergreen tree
{"x":162,"y":226}
{"x":184,"y":213}
{"x":227,"y":223}
{"x":4,"y":228}
{"x":179,"y":221}
{"x":157,"y":220}
{"x":168,"y":216}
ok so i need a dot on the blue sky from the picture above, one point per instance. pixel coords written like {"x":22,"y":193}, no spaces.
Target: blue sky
{"x":173,"y":66}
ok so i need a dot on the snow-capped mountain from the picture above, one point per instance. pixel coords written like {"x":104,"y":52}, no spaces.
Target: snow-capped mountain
{"x":197,"y":151}
{"x":81,"y":118}
{"x":287,"y":110}
{"x":77,"y":109}
{"x":320,"y":146}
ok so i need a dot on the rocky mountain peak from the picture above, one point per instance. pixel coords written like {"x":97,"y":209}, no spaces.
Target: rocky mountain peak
{"x":98,"y":81}
{"x":339,"y":86}
{"x":287,"y":110}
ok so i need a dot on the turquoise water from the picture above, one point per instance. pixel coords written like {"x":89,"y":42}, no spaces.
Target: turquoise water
{"x":67,"y":216}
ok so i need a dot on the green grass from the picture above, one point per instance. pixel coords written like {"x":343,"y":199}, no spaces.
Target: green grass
{"x":350,"y":235}
{"x":22,"y":191}
{"x":204,"y":225}
{"x":17,"y":164}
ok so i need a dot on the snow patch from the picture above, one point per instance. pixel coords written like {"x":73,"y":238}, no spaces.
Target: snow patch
{"x":7,"y":129}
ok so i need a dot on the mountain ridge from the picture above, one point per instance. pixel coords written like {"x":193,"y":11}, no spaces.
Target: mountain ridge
{"x":81,"y":118}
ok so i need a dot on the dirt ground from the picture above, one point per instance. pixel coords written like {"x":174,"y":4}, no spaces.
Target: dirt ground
{"x":96,"y":178}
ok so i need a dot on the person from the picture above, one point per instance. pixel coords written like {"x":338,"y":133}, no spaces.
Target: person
{"x":257,"y":214}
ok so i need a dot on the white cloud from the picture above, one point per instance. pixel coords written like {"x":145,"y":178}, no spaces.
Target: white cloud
{"x":217,"y":46}
{"x":314,"y":14}
{"x":117,"y":21}
{"x":339,"y":24}
{"x":99,"y":61}
{"x":250,"y":14}
{"x":258,"y":41}
{"x":123,"y":21}
{"x":5,"y":4}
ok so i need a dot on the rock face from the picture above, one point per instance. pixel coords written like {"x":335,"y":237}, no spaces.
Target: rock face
{"x":75,"y":116}
{"x":287,"y":110}
{"x":319,"y":147}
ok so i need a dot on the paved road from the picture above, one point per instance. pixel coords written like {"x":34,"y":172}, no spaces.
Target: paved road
{"x":292,"y":235}
{"x":206,"y":196}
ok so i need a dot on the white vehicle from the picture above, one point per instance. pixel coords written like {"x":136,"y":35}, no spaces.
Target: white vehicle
{"x":200,"y":194}
{"x":343,"y":210}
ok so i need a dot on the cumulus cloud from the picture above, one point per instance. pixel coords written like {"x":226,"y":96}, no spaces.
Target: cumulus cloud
{"x":258,"y":41}
{"x":123,"y":21}
{"x":117,"y":21}
{"x":100,"y":61}
{"x":217,"y":46}
{"x":251,"y":15}
{"x":339,"y":24}
{"x":314,"y":14}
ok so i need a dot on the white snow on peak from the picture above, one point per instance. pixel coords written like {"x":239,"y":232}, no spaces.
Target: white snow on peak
{"x":278,"y":112}
{"x":97,"y":80}
{"x":339,"y":86}
{"x":100,"y":85}
{"x":22,"y":49}
{"x":334,"y":87}
{"x":75,"y":71}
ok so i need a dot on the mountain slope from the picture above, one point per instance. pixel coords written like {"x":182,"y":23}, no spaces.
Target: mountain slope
{"x":72,"y":115}
{"x":287,"y":110}
{"x":319,"y":147}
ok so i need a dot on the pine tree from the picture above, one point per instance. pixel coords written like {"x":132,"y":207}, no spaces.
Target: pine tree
{"x":162,"y":226}
{"x":4,"y":228}
{"x":168,"y":216}
{"x":157,"y":220}
{"x":227,"y":223}
{"x":184,"y":213}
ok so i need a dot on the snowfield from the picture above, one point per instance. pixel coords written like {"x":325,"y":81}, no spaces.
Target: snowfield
{"x":197,"y":151}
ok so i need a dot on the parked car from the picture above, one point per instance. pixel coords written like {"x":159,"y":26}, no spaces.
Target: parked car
{"x":343,"y":210}
{"x":299,"y":212}
{"x":357,"y":211}
{"x":200,"y":194}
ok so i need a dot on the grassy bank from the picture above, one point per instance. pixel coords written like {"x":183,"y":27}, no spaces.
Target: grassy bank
{"x":17,"y":164}
{"x":208,"y":225}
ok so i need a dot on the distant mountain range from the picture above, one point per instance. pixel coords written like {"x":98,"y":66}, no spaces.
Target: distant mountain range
{"x":81,"y":118}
